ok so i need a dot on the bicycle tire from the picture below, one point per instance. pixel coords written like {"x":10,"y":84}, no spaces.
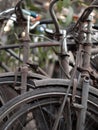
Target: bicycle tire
{"x":9,"y":88}
{"x":54,"y":92}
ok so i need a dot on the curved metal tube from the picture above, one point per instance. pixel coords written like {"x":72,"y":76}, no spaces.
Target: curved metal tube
{"x":95,"y":2}
{"x":55,"y":21}
{"x":86,"y":13}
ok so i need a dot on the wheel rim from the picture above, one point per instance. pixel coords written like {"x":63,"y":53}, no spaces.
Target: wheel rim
{"x":43,"y":98}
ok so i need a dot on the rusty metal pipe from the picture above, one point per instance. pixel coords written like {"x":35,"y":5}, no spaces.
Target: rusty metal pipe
{"x":82,"y":113}
{"x":54,"y":18}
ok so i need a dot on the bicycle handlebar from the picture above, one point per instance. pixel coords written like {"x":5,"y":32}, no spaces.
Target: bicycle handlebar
{"x":95,"y":2}
{"x":54,"y":18}
{"x":86,"y":13}
{"x":33,"y":14}
{"x":12,"y":10}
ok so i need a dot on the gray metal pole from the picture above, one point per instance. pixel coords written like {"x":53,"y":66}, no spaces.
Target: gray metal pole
{"x":82,"y":112}
{"x":85,"y":77}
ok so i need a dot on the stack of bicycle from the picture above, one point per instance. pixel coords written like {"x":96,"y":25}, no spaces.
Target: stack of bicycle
{"x":32,"y":100}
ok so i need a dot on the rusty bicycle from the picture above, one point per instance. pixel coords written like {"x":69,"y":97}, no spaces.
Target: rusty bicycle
{"x":69,"y":102}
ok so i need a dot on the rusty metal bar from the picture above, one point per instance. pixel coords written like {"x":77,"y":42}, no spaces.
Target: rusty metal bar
{"x":69,"y":120}
{"x":24,"y":74}
{"x":86,"y":14}
{"x":32,"y":45}
{"x":55,"y":126}
{"x":64,"y":58}
{"x":85,"y":76}
{"x":82,"y":112}
{"x":57,"y":30}
{"x":87,"y":47}
{"x":12,"y":53}
{"x":5,"y":67}
{"x":24,"y":69}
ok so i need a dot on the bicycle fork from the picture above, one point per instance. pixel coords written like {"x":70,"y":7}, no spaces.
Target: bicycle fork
{"x":82,"y":108}
{"x":85,"y":79}
{"x":24,"y":69}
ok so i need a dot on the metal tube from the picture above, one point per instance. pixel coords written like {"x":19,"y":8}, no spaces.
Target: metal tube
{"x":85,"y":77}
{"x":69,"y":120}
{"x":87,"y":47}
{"x":82,"y":112}
{"x":53,"y":16}
{"x":12,"y":53}
{"x":86,"y":13}
{"x":5,"y":67}
{"x":32,"y":45}
{"x":24,"y":69}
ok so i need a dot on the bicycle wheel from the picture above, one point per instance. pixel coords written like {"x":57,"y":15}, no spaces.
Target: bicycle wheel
{"x":9,"y":88}
{"x":39,"y":108}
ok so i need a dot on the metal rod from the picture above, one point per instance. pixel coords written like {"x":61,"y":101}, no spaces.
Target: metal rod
{"x":24,"y":69}
{"x":64,"y":57}
{"x":85,"y":76}
{"x":55,"y":126}
{"x":32,"y":45}
{"x":87,"y":46}
{"x":82,"y":112}
{"x":5,"y":67}
{"x":54,"y":18}
{"x":69,"y":121}
{"x":85,"y":14}
{"x":12,"y":53}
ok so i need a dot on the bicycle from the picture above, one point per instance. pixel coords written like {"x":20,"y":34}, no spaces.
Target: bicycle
{"x":10,"y":82}
{"x":59,"y":103}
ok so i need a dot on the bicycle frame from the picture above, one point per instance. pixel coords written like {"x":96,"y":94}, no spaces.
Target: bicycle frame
{"x":85,"y":77}
{"x":82,"y":64}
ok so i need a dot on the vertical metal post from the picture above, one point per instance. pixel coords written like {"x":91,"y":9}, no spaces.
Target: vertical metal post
{"x":69,"y":121}
{"x":64,"y":57}
{"x":85,"y":77}
{"x":26,"y":47}
{"x":24,"y":69}
{"x":82,"y":112}
{"x":87,"y":45}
